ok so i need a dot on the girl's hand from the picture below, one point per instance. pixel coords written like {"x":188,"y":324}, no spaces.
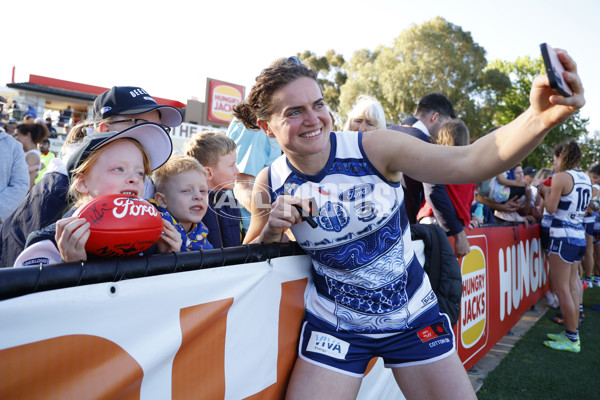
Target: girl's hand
{"x":282,"y":216}
{"x":72,"y":234}
{"x":170,"y":241}
{"x":552,"y":107}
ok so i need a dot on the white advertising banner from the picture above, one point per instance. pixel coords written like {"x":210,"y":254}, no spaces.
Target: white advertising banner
{"x":228,"y":332}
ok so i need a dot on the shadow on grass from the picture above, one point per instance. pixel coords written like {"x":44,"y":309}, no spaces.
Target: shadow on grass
{"x":533,"y":371}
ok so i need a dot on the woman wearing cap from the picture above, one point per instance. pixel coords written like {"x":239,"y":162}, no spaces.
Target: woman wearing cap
{"x":114,"y":110}
{"x":370,"y":297}
{"x":104,"y":163}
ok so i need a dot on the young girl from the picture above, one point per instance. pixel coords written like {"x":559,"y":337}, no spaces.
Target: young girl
{"x":104,"y":163}
{"x":370,"y":297}
{"x":30,"y":135}
{"x":563,"y":238}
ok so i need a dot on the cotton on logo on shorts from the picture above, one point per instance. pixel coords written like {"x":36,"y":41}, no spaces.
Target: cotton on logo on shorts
{"x":327,"y":345}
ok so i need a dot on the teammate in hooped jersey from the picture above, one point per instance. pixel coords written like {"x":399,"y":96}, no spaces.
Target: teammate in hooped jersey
{"x":564,"y":238}
{"x":371,"y":297}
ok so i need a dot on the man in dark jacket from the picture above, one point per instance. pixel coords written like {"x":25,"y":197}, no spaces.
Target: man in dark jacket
{"x":433,"y":111}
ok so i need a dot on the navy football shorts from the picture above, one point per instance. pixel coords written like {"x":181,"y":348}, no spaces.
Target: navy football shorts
{"x":569,"y":253}
{"x":350,"y":353}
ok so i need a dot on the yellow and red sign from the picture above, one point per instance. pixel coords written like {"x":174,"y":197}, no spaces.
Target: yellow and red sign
{"x":221,"y":98}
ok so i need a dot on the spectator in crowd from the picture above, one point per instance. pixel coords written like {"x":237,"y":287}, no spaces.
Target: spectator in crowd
{"x":433,"y":111}
{"x":525,"y":200}
{"x":255,"y":150}
{"x":28,"y":118}
{"x":51,"y":128}
{"x":366,"y":115}
{"x":217,"y":154}
{"x":529,"y":174}
{"x":563,"y":238}
{"x":540,"y":176}
{"x":481,"y":214}
{"x":357,"y":249}
{"x":453,"y":133}
{"x":65,"y":116}
{"x":182,"y":199}
{"x":104,"y":163}
{"x":14,"y":175}
{"x":11,"y":126}
{"x":29,"y":135}
{"x":46,"y":157}
{"x":114,"y":110}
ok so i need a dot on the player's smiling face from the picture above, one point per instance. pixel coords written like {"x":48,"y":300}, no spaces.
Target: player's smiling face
{"x":119,"y":169}
{"x":300,"y":119}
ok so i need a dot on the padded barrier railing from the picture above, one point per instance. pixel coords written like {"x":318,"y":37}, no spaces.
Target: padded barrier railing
{"x":25,"y":280}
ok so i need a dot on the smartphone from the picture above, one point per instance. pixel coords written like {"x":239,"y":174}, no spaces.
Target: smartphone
{"x":555,"y":69}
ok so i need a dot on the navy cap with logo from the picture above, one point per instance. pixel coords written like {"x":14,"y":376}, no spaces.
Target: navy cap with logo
{"x":130,"y":100}
{"x":153,"y":138}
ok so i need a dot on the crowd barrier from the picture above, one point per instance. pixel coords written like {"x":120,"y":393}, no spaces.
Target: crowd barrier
{"x":219,"y":324}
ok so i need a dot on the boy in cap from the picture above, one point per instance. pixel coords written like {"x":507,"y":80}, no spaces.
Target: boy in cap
{"x":114,"y":110}
{"x":105,"y":163}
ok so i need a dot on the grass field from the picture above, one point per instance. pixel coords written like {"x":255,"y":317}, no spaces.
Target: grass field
{"x":533,"y":371}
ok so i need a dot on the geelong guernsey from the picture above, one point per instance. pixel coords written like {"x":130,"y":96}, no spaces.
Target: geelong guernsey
{"x":366,"y":276}
{"x":566,"y":223}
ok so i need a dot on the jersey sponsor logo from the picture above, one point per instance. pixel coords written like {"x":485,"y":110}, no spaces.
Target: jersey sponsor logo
{"x":439,"y":342}
{"x":357,"y":193}
{"x":327,"y":345}
{"x":432,"y":331}
{"x":37,"y":261}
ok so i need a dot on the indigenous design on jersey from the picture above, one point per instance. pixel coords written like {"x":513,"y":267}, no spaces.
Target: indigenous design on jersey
{"x":566,"y":223}
{"x":367,"y":278}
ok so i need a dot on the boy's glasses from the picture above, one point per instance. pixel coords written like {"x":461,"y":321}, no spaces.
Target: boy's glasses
{"x":136,"y":121}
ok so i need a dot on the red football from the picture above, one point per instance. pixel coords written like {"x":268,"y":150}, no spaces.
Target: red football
{"x":120,"y":225}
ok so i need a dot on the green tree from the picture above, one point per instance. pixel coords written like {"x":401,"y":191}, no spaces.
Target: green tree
{"x":590,"y":147}
{"x":331,"y":74}
{"x":436,"y":56}
{"x":514,"y":101}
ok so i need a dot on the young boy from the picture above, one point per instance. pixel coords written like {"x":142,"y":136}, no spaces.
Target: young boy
{"x":182,"y":198}
{"x":217,"y":153}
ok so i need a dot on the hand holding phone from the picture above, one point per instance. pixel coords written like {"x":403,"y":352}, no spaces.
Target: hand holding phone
{"x":555,"y":70}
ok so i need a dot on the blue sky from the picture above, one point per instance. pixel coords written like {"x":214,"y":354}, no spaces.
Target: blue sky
{"x":170,"y":47}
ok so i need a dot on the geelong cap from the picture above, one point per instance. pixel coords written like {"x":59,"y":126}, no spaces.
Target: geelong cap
{"x":153,"y":138}
{"x":129,"y":100}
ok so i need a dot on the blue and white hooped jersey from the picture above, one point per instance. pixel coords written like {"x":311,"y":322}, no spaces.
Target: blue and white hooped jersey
{"x":566,"y":223}
{"x":367,"y":278}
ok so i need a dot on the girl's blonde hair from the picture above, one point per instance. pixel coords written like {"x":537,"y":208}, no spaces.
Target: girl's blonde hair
{"x":89,"y":162}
